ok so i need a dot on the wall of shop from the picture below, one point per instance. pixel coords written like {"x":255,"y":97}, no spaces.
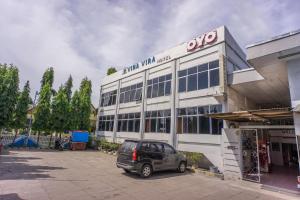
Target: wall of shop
{"x":294,"y":85}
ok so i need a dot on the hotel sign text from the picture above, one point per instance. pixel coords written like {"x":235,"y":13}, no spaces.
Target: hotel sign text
{"x":201,"y":41}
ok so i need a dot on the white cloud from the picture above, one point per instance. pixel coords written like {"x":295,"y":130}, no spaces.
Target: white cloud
{"x":83,"y":38}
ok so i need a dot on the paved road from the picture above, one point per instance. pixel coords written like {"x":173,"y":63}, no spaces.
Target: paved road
{"x":71,"y":175}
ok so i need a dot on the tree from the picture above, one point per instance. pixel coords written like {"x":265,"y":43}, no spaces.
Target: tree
{"x":48,"y":77}
{"x":111,"y":70}
{"x":42,"y":113}
{"x":20,"y":114}
{"x":60,"y":111}
{"x":68,"y":88}
{"x":85,"y":92}
{"x":9,"y":87}
{"x":74,"y":112}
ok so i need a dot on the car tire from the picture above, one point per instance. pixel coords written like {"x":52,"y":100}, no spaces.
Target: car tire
{"x":146,"y":171}
{"x":182,"y":167}
{"x":126,"y":171}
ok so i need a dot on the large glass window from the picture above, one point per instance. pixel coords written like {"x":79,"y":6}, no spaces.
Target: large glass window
{"x":108,"y":98}
{"x":158,"y":121}
{"x":106,"y":123}
{"x":131,"y":93}
{"x":160,"y":86}
{"x":199,"y":77}
{"x":192,"y":120}
{"x":129,"y":122}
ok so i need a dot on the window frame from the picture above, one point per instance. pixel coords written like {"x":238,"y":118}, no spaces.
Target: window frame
{"x":184,"y":76}
{"x":156,"y":87}
{"x":186,"y":117}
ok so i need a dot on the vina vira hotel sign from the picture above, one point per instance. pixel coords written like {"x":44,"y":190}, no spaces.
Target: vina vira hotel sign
{"x":194,"y":44}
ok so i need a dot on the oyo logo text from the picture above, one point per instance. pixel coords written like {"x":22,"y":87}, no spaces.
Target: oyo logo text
{"x":201,"y":41}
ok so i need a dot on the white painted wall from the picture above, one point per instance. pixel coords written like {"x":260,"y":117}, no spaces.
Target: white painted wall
{"x":294,"y":85}
{"x":231,"y":153}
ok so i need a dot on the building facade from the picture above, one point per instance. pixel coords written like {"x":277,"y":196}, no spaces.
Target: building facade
{"x":180,"y":96}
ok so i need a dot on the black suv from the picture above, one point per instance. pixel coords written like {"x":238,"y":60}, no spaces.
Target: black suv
{"x":144,"y":157}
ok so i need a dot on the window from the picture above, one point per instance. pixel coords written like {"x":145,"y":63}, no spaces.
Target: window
{"x":158,"y":121}
{"x":275,"y":146}
{"x":203,"y":80}
{"x":155,"y":148}
{"x":160,"y":86}
{"x":192,"y":120}
{"x":214,"y":77}
{"x":145,"y":146}
{"x":131,"y":93}
{"x":168,"y":149}
{"x":182,"y":84}
{"x":108,"y":98}
{"x":106,"y":123}
{"x":199,"y":77}
{"x":192,"y":82}
{"x":129,"y":122}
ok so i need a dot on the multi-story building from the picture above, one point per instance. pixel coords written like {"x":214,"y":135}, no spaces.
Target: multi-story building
{"x":205,"y":96}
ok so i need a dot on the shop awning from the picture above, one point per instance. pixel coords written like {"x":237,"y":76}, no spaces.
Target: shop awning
{"x":261,"y":115}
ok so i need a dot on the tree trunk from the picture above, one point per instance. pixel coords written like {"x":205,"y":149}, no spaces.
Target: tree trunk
{"x":38,"y":138}
{"x":16,"y":134}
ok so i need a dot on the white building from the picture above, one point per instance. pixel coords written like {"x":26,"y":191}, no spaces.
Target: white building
{"x":206,"y":96}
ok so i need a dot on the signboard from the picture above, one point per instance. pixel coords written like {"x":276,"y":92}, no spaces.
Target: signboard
{"x":201,"y":41}
{"x":148,"y":61}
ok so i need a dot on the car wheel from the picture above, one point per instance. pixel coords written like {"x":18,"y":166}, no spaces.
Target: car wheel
{"x":182,"y":167}
{"x":146,"y":171}
{"x":127,"y":171}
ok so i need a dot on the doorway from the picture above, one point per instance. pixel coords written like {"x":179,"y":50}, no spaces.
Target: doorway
{"x":270,"y":157}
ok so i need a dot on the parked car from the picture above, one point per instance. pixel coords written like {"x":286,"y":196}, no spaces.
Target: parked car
{"x":145,"y":157}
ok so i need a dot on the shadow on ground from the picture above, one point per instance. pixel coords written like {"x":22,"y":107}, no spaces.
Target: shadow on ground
{"x":12,"y":196}
{"x":13,"y":167}
{"x":158,"y":175}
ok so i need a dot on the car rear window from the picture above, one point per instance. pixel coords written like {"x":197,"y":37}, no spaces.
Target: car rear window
{"x":128,"y":146}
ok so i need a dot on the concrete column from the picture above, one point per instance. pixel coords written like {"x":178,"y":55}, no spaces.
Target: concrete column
{"x":173,"y":135}
{"x":98,"y":113}
{"x":294,"y":77}
{"x":143,"y":105}
{"x":116,"y":113}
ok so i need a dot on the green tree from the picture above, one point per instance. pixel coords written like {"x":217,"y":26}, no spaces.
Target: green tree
{"x":111,"y":70}
{"x":60,"y":111}
{"x":74,"y":112}
{"x":48,"y":77}
{"x":9,"y":87}
{"x":85,"y":92}
{"x":43,"y":113}
{"x":20,"y":114}
{"x":68,"y":88}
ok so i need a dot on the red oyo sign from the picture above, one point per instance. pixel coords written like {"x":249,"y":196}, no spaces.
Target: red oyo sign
{"x":201,"y":41}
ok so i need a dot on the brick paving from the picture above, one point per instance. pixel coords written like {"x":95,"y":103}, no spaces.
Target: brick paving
{"x":88,"y":175}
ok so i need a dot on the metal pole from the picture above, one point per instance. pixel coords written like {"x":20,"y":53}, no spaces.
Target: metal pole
{"x":297,"y":142}
{"x":257,"y":148}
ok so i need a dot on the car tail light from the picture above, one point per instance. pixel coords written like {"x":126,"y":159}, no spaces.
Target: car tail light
{"x":134,"y":156}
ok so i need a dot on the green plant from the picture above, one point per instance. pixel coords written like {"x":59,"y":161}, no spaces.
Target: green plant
{"x":108,"y":146}
{"x":193,"y":158}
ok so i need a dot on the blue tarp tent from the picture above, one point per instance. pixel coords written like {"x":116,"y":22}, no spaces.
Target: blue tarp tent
{"x":21,"y":142}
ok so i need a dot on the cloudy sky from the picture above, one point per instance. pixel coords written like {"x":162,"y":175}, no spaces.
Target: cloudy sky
{"x":83,"y":38}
